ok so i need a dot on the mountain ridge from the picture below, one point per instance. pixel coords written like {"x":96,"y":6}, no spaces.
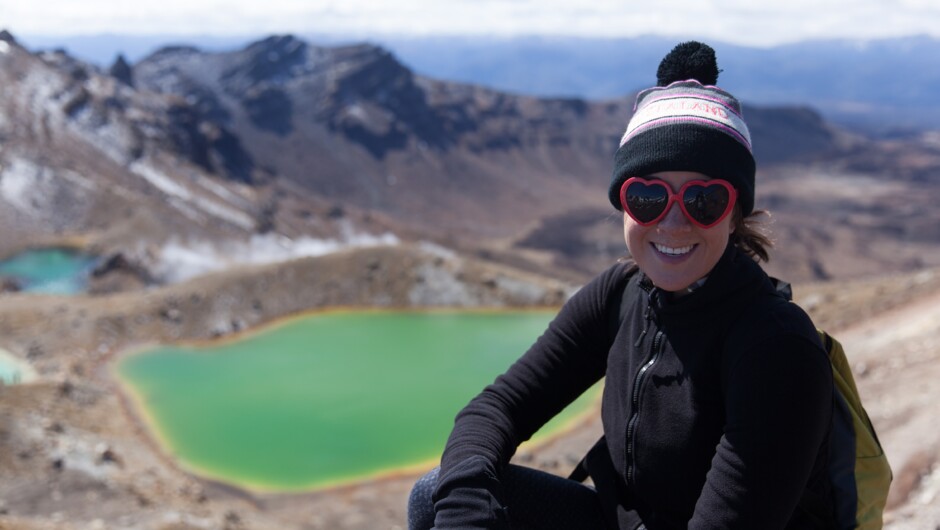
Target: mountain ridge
{"x":883,"y":84}
{"x":228,"y":144}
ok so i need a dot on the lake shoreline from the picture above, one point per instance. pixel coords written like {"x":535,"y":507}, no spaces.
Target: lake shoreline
{"x":139,"y":414}
{"x":147,"y":429}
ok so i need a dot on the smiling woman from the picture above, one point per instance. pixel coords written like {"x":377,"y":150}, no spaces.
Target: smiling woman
{"x":326,"y":398}
{"x":703,"y":426}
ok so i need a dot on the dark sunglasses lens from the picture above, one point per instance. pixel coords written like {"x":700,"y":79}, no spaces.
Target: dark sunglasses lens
{"x":706,"y":204}
{"x":645,"y":203}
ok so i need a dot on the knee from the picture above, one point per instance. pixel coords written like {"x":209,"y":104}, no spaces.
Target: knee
{"x":420,"y":505}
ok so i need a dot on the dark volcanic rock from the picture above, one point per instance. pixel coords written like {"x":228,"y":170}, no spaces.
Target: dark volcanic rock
{"x":270,"y":109}
{"x":7,"y":37}
{"x":376,"y":85}
{"x":10,"y":285}
{"x":118,"y":262}
{"x":122,"y":71}
{"x":208,"y":144}
{"x":272,"y":60}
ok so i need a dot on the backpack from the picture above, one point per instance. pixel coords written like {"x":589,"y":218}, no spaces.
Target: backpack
{"x":858,"y":467}
{"x":860,"y":480}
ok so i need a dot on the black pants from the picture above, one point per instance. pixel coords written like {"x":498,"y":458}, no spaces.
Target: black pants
{"x":535,"y":500}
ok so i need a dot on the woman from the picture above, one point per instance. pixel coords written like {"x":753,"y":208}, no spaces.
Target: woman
{"x":718,"y":395}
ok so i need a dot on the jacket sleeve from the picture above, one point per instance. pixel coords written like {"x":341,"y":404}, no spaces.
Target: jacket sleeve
{"x":778,"y":403}
{"x":564,"y":362}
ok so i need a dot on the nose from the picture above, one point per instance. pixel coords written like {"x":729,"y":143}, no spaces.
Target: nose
{"x":674,"y":219}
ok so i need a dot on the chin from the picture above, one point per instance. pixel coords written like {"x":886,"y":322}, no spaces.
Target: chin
{"x":673,"y":283}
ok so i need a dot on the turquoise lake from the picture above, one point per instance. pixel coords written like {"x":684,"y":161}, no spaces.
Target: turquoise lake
{"x":49,"y":270}
{"x":327,"y":398}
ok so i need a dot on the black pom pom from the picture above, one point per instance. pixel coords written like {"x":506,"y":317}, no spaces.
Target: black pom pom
{"x":689,"y":60}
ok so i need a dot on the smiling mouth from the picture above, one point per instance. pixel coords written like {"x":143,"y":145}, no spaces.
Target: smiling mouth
{"x":673,"y":251}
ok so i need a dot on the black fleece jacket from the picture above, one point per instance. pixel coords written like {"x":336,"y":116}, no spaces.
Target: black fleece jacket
{"x":716,"y":405}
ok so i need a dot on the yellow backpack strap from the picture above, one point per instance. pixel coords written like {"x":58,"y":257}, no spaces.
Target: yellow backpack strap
{"x":872,"y":473}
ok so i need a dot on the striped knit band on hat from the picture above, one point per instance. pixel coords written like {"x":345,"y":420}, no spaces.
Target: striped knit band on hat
{"x":685,"y":125}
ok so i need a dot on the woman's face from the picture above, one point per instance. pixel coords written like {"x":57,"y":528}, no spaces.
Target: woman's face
{"x":674,"y":253}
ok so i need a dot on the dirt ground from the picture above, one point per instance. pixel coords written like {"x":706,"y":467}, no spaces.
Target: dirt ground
{"x":896,"y":359}
{"x":74,"y":456}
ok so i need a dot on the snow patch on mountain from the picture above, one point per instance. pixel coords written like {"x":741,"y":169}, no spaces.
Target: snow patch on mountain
{"x":179,"y":260}
{"x":187,"y":202}
{"x":16,"y":183}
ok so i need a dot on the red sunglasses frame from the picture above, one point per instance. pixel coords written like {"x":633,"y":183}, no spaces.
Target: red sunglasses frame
{"x":672,"y":197}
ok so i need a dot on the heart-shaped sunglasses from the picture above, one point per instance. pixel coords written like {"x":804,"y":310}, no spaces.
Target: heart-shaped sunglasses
{"x":704,"y":202}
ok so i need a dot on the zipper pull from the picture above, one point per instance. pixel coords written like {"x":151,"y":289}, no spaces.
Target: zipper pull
{"x":646,"y":326}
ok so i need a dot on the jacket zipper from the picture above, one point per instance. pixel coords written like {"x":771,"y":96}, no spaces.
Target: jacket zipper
{"x":655,"y":351}
{"x":634,"y":416}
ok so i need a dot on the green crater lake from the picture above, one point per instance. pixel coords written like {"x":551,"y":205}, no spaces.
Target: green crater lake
{"x":327,"y":398}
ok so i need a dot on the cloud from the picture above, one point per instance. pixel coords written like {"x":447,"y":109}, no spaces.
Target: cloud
{"x":727,"y":20}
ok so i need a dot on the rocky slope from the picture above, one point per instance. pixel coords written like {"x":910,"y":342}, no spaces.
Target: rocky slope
{"x":375,"y":132}
{"x":510,"y":173}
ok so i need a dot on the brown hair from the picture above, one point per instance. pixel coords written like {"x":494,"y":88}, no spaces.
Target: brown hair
{"x":750,"y":234}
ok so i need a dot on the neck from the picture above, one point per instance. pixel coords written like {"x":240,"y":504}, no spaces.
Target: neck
{"x":690,"y":289}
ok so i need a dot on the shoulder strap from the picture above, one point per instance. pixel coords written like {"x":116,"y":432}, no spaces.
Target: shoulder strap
{"x":598,"y":465}
{"x":617,"y":314}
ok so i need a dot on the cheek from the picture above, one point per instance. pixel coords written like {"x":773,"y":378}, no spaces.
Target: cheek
{"x":724,"y":229}
{"x":628,"y":226}
{"x":633,"y":233}
{"x":715,"y":240}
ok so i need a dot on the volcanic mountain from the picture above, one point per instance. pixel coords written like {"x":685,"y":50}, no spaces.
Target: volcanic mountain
{"x":477,"y":168}
{"x":288,"y":138}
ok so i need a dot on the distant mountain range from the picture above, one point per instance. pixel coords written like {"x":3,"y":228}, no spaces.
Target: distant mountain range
{"x":887,"y":86}
{"x":884,"y":85}
{"x":288,"y":139}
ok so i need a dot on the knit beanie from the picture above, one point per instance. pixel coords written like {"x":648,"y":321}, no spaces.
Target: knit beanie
{"x":686,"y":123}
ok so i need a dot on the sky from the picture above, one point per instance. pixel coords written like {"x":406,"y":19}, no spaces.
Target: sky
{"x":733,"y":21}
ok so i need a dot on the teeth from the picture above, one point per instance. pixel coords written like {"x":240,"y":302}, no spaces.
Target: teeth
{"x":673,"y":251}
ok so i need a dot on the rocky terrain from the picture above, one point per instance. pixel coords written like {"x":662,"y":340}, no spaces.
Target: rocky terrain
{"x":223,"y":191}
{"x":75,"y":456}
